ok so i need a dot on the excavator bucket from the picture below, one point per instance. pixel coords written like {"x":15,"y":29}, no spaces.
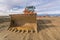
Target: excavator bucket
{"x":23,"y":22}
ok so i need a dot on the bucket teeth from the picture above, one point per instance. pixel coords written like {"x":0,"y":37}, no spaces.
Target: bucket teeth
{"x":13,"y":30}
{"x":16,"y":31}
{"x":33,"y":31}
{"x":10,"y":29}
{"x":29,"y":31}
{"x":24,"y":31}
{"x":21,"y":31}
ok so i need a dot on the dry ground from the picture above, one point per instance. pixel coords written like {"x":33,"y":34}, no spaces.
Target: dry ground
{"x":48,"y":27}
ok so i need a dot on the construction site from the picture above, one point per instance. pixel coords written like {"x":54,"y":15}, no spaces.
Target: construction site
{"x":29,"y":26}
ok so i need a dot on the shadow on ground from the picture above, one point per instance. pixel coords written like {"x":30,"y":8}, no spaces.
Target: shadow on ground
{"x":42,"y":24}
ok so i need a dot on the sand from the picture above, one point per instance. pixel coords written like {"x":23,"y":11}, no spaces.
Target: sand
{"x":49,"y":29}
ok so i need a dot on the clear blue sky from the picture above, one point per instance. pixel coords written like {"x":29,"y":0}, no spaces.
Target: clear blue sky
{"x":42,"y":6}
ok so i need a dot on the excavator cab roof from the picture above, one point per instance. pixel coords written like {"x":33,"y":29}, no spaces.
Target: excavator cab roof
{"x":30,"y":8}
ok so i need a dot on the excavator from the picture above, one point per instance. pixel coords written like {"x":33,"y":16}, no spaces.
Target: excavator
{"x":26,"y":22}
